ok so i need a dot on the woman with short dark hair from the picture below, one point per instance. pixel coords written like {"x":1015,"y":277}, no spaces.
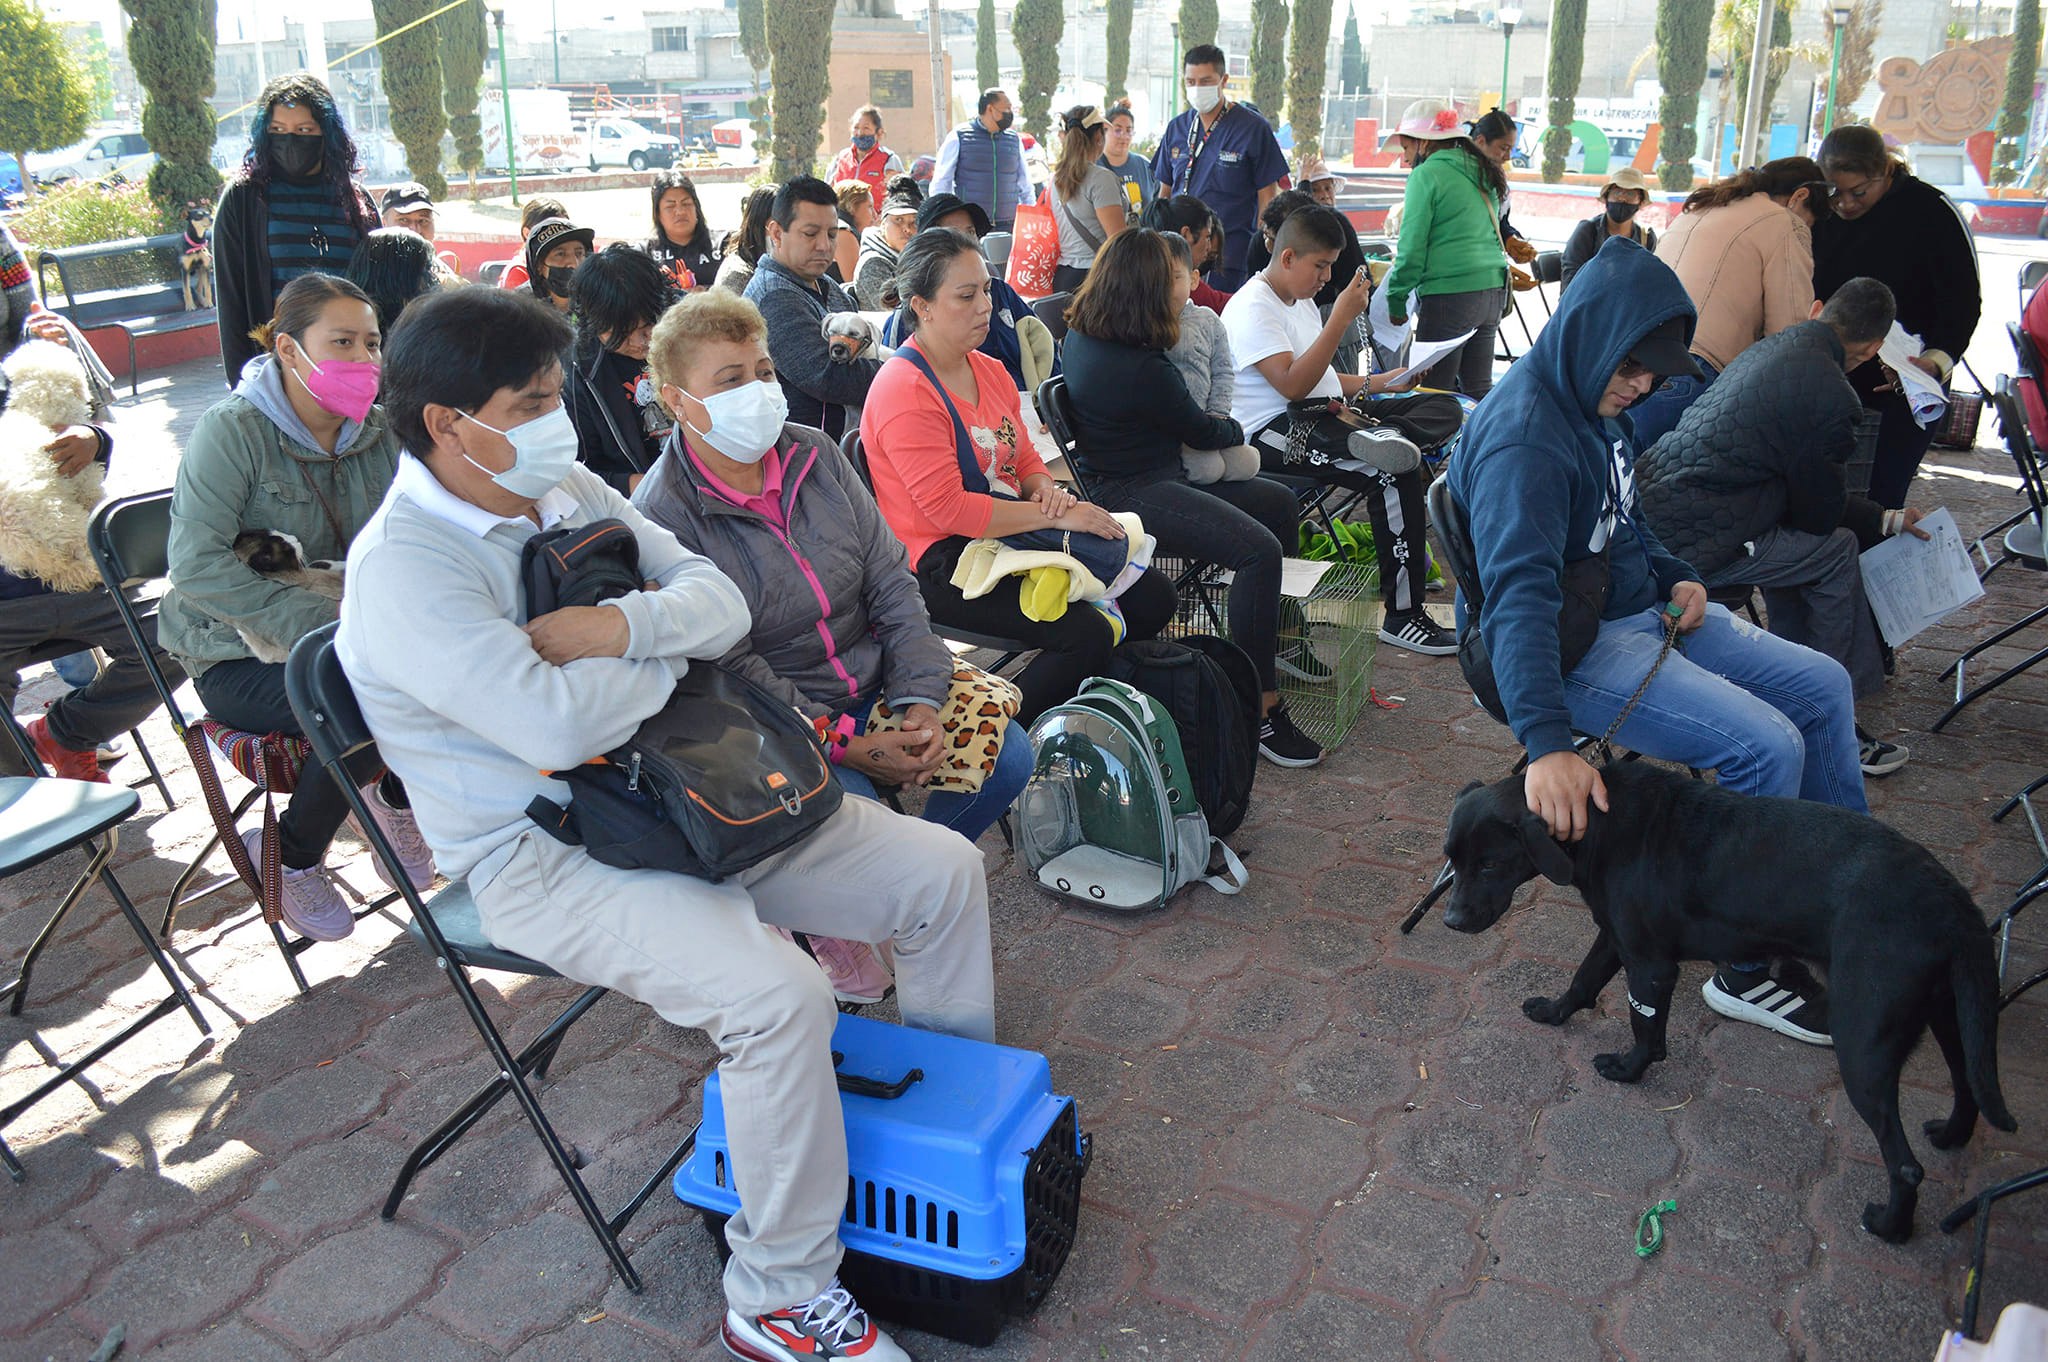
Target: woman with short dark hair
{"x":1905,"y":233}
{"x":617,"y":295}
{"x":1132,"y":417}
{"x":681,"y":243}
{"x":295,"y":208}
{"x":394,"y":265}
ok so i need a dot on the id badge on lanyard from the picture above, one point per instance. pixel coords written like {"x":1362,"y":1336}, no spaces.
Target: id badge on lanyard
{"x":1198,"y":140}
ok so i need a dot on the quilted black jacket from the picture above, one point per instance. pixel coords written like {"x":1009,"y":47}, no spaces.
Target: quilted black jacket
{"x":1764,"y":445}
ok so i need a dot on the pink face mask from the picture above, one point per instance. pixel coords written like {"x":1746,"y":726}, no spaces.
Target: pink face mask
{"x":346,"y":387}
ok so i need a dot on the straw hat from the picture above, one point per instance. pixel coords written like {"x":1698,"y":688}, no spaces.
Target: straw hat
{"x":1627,"y":177}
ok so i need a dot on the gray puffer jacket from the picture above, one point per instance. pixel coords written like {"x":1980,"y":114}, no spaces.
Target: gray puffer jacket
{"x":839,"y":563}
{"x":1763,"y":446}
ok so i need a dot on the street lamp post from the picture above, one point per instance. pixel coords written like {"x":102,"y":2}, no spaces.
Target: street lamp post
{"x":555,"y":24}
{"x":505,"y":103}
{"x":1509,"y":16}
{"x":1841,"y":18}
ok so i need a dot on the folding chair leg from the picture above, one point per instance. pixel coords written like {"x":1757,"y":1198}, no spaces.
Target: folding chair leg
{"x":156,"y":951}
{"x":156,"y":777}
{"x":290,"y":950}
{"x":1980,"y":1206}
{"x":16,"y":992}
{"x":1962,"y":701}
{"x":178,"y":898}
{"x":1955,"y":668}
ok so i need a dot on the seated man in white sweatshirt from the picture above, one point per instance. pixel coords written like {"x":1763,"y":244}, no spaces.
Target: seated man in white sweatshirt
{"x":470,"y":703}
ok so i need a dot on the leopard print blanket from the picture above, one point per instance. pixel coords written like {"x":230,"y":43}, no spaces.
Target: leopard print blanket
{"x":973,"y":719}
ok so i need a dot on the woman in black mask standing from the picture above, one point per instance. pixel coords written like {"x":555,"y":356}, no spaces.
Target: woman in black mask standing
{"x":1621,"y":198}
{"x":295,"y":208}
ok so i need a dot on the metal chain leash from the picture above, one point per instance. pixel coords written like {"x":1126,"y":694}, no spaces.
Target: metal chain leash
{"x":1673,"y":612}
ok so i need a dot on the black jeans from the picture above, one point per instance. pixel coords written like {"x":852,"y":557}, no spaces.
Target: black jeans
{"x":1249,"y":532}
{"x":116,"y":700}
{"x":1395,"y":503}
{"x":249,"y":695}
{"x":1071,"y":648}
{"x":1901,"y":443}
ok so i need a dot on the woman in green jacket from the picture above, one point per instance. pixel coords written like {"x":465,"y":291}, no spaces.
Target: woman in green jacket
{"x":299,"y":452}
{"x":1450,"y":249}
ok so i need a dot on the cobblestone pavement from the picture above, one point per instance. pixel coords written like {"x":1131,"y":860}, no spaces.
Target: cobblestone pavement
{"x":1315,"y":1137}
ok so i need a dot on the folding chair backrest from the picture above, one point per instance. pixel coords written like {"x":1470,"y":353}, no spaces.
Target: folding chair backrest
{"x":857,"y":455}
{"x":1056,"y":409}
{"x":1052,"y":310}
{"x":323,"y":699}
{"x":131,"y":538}
{"x":1548,"y":267}
{"x":2031,"y":275}
{"x":2012,"y":420}
{"x":1453,"y":537}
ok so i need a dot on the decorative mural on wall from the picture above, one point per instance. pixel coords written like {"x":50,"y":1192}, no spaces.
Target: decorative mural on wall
{"x":1944,"y":99}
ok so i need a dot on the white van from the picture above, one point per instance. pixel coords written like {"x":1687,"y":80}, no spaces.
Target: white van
{"x":622,"y":142}
{"x":123,"y":152}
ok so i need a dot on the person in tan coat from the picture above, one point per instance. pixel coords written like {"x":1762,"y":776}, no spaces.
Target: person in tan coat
{"x":1743,"y":249}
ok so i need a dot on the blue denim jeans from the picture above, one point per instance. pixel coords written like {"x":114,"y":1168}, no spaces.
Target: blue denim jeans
{"x":1772,"y":717}
{"x":970,"y":815}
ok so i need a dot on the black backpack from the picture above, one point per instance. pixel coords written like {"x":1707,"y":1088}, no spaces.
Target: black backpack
{"x":1211,"y":689}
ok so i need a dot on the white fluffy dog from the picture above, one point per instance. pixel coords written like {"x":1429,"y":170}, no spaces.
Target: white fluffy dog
{"x":43,"y":514}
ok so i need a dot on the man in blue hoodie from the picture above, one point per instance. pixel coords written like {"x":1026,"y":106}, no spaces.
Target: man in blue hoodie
{"x":1545,"y":479}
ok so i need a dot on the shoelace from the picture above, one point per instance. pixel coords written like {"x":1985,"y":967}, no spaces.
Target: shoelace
{"x":835,"y":1314}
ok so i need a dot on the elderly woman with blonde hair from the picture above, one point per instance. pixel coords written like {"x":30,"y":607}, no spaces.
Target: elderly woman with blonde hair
{"x":839,"y":626}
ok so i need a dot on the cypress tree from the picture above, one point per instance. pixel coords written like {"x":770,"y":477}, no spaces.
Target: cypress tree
{"x":1035,"y":26}
{"x":1682,"y":30}
{"x":464,"y":42}
{"x":411,"y":63}
{"x":1116,"y":40}
{"x":1567,"y":64}
{"x":170,"y":45}
{"x":1269,"y":57}
{"x":753,"y":17}
{"x":1307,"y":68}
{"x":987,"y":69}
{"x":799,"y":36}
{"x":2019,"y":89}
{"x":1197,"y":23}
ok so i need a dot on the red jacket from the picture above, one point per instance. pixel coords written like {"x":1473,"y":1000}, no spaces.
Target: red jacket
{"x":873,"y":169}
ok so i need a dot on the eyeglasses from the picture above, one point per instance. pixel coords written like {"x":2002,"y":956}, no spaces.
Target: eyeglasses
{"x":1632,"y":369}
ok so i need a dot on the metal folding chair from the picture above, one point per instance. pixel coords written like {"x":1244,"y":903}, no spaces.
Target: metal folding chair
{"x":448,"y":925}
{"x":130,"y":541}
{"x":41,"y":818}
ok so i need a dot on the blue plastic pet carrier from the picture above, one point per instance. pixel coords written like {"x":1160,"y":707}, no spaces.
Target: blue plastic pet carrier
{"x":965,"y":1185}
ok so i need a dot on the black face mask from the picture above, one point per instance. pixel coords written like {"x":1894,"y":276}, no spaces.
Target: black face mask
{"x":295,"y":155}
{"x":1618,"y":211}
{"x":1003,"y":123}
{"x":558,"y":277}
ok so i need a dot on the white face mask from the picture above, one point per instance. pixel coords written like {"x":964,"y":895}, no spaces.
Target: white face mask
{"x":543,"y":452}
{"x":1205,"y":97}
{"x":745,"y":421}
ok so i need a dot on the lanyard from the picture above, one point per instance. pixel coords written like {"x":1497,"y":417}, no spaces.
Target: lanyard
{"x":1198,"y":141}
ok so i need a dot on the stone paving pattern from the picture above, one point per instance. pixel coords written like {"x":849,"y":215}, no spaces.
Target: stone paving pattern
{"x":1315,"y":1137}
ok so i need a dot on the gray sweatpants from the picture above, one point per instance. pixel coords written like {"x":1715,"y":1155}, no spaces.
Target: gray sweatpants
{"x":1813,"y":591}
{"x":702,"y":955}
{"x":116,"y":700}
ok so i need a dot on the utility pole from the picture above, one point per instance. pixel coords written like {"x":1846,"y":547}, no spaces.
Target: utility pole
{"x":942,"y":91}
{"x":1754,"y":135}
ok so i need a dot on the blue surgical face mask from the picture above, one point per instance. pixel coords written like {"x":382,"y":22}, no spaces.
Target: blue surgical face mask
{"x":543,"y":452}
{"x":864,"y":143}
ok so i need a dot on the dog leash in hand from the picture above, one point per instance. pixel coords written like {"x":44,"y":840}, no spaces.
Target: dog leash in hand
{"x":1673,"y":612}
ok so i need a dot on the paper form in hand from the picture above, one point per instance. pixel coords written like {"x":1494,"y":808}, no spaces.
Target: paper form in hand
{"x":1912,"y":583}
{"x":1923,"y":391}
{"x":1385,"y":334}
{"x":1424,"y":354}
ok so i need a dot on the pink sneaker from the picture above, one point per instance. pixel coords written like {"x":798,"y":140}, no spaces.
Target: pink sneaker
{"x":311,"y":905}
{"x":403,"y":830}
{"x":856,"y":974}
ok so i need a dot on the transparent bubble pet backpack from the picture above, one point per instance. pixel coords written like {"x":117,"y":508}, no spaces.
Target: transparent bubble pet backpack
{"x":1109,"y":816}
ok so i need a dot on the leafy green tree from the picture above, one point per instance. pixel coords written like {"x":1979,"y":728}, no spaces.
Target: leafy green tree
{"x":411,"y":63}
{"x":1268,"y":59}
{"x":1351,"y":73}
{"x":1036,"y":26}
{"x":1116,"y":42}
{"x":1198,"y":21}
{"x":98,"y":68}
{"x":799,"y":34}
{"x":1683,"y":27}
{"x":1307,"y":70}
{"x":1735,"y":35}
{"x":1567,"y":64}
{"x":464,"y":43}
{"x":753,"y":17}
{"x":170,"y":45}
{"x":2019,"y":89}
{"x":45,"y":100}
{"x":987,"y":69}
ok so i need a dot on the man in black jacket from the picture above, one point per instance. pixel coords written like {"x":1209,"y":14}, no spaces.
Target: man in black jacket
{"x":1749,"y":489}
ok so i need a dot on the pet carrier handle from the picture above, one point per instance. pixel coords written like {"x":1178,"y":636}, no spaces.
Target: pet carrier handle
{"x":873,"y":1087}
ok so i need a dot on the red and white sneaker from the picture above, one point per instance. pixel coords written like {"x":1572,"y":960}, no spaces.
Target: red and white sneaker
{"x":856,"y":973}
{"x":829,"y":1326}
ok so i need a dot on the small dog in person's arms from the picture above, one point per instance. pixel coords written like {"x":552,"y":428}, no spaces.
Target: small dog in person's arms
{"x":280,"y":557}
{"x":43,"y":514}
{"x":1680,"y":869}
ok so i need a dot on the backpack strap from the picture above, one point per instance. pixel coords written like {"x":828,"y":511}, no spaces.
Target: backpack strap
{"x":963,"y":447}
{"x":1233,"y":877}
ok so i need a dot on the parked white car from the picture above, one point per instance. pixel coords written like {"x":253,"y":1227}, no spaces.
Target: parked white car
{"x":104,"y":154}
{"x":622,"y":142}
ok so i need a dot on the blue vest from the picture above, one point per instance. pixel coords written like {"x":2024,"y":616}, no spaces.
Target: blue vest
{"x":987,"y":161}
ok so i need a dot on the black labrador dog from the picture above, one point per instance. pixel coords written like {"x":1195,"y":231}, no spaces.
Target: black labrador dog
{"x":1684,"y":870}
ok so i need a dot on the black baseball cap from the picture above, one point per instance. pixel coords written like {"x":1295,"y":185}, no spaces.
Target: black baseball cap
{"x":1663,"y":351}
{"x":945,"y":205}
{"x":548,"y":231}
{"x":409,"y":197}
